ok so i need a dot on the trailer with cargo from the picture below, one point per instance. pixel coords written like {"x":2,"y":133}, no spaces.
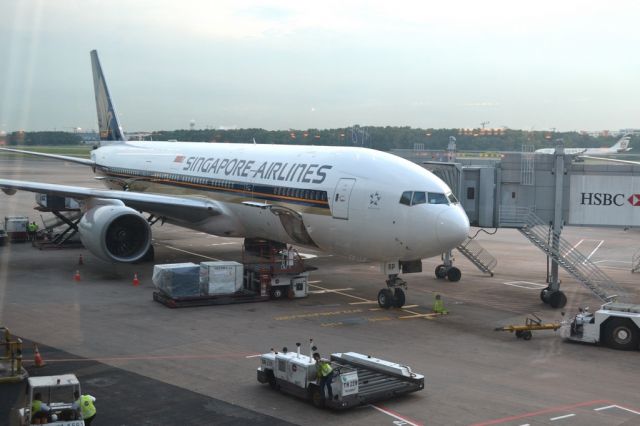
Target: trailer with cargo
{"x":16,"y":228}
{"x":616,"y":325}
{"x":224,"y":282}
{"x":358,"y":379}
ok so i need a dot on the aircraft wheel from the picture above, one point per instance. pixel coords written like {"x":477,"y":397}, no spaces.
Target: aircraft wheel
{"x":544,"y":295}
{"x":385,"y":298}
{"x":527,"y":335}
{"x":441,"y":271}
{"x":519,"y":334}
{"x":398,"y":298}
{"x":621,"y":334}
{"x":454,"y":274}
{"x":557,"y":299}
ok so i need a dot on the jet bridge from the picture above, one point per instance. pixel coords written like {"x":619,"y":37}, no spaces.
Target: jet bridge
{"x":539,"y":194}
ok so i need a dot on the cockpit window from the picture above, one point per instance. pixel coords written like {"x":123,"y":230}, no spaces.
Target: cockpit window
{"x":437,"y":198}
{"x":419,"y":197}
{"x":406,"y":198}
{"x":452,"y":198}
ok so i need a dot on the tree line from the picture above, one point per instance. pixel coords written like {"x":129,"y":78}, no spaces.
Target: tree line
{"x":381,"y":138}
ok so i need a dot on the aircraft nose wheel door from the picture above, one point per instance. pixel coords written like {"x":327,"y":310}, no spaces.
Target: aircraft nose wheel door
{"x":340,"y":202}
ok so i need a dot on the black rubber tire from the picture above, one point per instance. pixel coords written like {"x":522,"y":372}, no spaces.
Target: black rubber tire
{"x":454,"y":274}
{"x":273,"y":384}
{"x":316,"y":397}
{"x":544,"y":295}
{"x":621,"y":333}
{"x":527,"y":335}
{"x":441,"y":272}
{"x":277,"y":292}
{"x":398,"y":298}
{"x":385,"y":298}
{"x":557,"y":300}
{"x":519,"y":334}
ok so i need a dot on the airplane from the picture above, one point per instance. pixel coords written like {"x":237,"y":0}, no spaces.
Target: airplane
{"x":619,"y":147}
{"x":354,"y":202}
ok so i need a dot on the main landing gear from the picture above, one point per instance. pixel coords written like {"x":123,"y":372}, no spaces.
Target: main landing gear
{"x":393,"y":295}
{"x":556,"y":299}
{"x":451,"y":273}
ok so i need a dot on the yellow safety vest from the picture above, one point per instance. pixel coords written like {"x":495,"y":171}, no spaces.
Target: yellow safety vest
{"x":36,"y":405}
{"x":86,"y":403}
{"x":325,"y":369}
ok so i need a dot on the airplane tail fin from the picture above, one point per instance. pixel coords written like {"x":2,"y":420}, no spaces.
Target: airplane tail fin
{"x":623,"y":144}
{"x":110,"y":129}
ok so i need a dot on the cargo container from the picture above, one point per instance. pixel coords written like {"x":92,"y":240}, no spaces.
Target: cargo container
{"x":177,"y":279}
{"x":220,"y":277}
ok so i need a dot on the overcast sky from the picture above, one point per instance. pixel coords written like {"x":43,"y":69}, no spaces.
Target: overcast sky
{"x":570,"y":65}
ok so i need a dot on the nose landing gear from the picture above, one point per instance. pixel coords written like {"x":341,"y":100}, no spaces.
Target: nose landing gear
{"x":451,"y":273}
{"x":393,"y":295}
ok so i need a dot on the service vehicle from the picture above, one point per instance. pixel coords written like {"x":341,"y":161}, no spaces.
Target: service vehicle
{"x":57,"y":394}
{"x":616,"y":325}
{"x":358,"y":379}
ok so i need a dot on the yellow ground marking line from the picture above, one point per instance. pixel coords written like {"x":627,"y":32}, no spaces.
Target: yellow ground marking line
{"x":401,"y":309}
{"x":318,"y":314}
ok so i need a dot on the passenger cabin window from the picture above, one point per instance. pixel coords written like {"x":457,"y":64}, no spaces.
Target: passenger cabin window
{"x":406,"y":198}
{"x":437,"y":198}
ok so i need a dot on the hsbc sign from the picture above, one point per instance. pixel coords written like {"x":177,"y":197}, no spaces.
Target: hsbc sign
{"x":605,"y":200}
{"x":608,"y":199}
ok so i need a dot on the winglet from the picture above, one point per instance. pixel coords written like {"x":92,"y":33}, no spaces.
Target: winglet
{"x":110,"y":129}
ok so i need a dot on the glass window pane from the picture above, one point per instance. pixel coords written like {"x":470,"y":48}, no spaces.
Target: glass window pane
{"x":437,"y":198}
{"x":419,"y":197}
{"x":406,"y":198}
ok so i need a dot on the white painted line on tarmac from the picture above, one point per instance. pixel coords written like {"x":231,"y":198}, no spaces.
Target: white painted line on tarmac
{"x":396,"y":416}
{"x":221,"y":244}
{"x":618,"y":407}
{"x":190,"y":252}
{"x":329,"y":291}
{"x":553,"y":419}
{"x":594,"y":250}
{"x":313,"y":282}
{"x":526,"y":285}
{"x":341,"y":293}
{"x":253,"y":356}
{"x":526,"y":424}
{"x":613,"y":261}
{"x":307,"y":255}
{"x":574,"y":247}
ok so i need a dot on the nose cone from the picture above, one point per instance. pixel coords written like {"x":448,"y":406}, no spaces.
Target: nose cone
{"x":452,"y":227}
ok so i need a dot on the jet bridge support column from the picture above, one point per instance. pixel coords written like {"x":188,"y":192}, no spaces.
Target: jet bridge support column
{"x":552,"y":294}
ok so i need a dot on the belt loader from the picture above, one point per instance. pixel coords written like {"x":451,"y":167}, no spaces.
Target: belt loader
{"x":357,"y":379}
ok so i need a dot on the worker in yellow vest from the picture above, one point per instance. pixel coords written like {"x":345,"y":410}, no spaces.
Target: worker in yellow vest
{"x":84,"y":403}
{"x":324,"y":374}
{"x":438,"y":305}
{"x":39,"y":410}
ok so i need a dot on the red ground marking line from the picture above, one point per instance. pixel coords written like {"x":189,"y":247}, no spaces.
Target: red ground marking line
{"x":143,"y":358}
{"x":397,"y":415}
{"x":545,"y":411}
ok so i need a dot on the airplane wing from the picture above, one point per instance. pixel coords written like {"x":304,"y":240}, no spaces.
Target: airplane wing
{"x":57,"y":157}
{"x":193,"y":209}
{"x":615,"y":160}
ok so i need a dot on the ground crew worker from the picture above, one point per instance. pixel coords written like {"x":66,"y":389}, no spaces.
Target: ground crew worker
{"x":31,"y":231}
{"x":324,"y":374}
{"x":39,"y":410}
{"x":35,"y":231}
{"x":438,"y":305}
{"x":84,"y":403}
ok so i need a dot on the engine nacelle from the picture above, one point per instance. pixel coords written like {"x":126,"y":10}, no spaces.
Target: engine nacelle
{"x":114,"y":232}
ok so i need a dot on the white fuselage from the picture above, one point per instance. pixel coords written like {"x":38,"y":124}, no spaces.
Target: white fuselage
{"x":342,"y":200}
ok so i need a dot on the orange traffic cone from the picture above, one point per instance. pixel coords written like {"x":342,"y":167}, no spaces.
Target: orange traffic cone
{"x":76,"y":277}
{"x":136,"y":281}
{"x":80,"y":260}
{"x":37,"y":358}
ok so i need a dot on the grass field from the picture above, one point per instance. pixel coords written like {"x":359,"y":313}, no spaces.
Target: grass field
{"x":71,"y":150}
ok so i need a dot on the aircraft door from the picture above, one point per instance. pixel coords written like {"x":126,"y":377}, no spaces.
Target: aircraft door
{"x":340,"y":204}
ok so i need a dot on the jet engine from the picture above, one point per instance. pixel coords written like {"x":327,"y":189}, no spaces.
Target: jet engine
{"x":114,"y":232}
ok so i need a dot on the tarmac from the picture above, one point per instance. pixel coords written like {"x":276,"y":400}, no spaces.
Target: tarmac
{"x":148,"y":364}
